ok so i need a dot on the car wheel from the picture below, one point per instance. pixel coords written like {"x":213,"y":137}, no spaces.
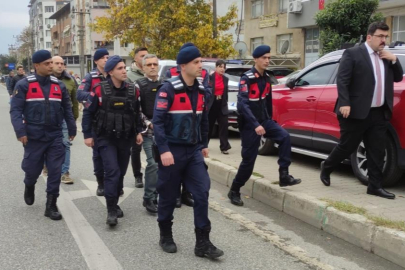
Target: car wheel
{"x":267,"y":147}
{"x":392,"y":173}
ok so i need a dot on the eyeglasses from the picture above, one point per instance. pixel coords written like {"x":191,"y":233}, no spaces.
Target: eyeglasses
{"x":382,"y":36}
{"x":152,"y":64}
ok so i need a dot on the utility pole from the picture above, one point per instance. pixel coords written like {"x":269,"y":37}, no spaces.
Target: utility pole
{"x":214,"y":22}
{"x":81,"y":34}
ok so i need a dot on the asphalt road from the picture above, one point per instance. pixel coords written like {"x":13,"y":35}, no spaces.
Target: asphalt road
{"x":252,"y":237}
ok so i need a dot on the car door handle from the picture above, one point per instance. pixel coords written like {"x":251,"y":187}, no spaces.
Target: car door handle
{"x":311,"y":99}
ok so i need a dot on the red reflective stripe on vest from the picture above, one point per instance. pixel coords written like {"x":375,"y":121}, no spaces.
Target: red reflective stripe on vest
{"x":98,"y":94}
{"x":94,"y":81}
{"x":200,"y":103}
{"x":34,"y":94}
{"x":254,"y":92}
{"x":178,"y":106}
{"x":55,"y":92}
{"x":266,"y":90}
{"x":174,"y":72}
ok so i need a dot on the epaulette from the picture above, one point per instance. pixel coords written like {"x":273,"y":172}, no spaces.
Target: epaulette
{"x":54,"y":79}
{"x":250,"y":74}
{"x":94,"y":74}
{"x":176,"y":83}
{"x":31,"y":78}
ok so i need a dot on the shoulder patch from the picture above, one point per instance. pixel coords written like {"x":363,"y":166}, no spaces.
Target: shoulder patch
{"x":162,"y":104}
{"x":163,"y":94}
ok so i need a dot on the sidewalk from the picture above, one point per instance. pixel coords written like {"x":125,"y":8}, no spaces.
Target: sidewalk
{"x":308,"y":201}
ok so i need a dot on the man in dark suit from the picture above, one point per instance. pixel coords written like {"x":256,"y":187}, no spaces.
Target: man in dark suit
{"x":218,"y":105}
{"x":365,"y":84}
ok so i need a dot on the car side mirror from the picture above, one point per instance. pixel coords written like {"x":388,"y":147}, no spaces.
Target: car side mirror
{"x":290,"y":83}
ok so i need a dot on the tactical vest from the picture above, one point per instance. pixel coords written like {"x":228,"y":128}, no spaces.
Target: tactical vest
{"x":183,"y":125}
{"x":148,"y":95}
{"x":42,"y":110}
{"x":257,"y":99}
{"x":117,"y":115}
{"x":96,"y":78}
{"x":174,"y":72}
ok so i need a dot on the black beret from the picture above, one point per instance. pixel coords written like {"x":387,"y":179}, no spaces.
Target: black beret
{"x":112,"y":62}
{"x":41,"y":56}
{"x":100,"y":53}
{"x":187,"y":55}
{"x":260,"y":51}
{"x":187,"y":44}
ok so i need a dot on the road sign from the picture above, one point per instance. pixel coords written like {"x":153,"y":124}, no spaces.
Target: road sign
{"x":11,"y":66}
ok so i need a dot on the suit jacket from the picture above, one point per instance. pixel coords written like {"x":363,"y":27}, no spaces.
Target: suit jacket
{"x":224,"y":104}
{"x":356,"y":82}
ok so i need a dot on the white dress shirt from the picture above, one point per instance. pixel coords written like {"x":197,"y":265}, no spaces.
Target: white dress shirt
{"x":382,"y":69}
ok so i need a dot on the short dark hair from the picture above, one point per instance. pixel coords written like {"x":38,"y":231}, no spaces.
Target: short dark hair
{"x":377,"y":25}
{"x":140,"y":49}
{"x":20,"y":66}
{"x":220,"y":62}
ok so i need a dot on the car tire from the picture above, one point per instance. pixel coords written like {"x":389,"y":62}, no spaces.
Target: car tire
{"x":267,"y":147}
{"x":392,"y":173}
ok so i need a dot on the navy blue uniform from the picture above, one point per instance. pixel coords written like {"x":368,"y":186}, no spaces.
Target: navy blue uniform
{"x":44,"y":106}
{"x":83,"y":93}
{"x":255,"y":109}
{"x":205,"y":80}
{"x":180,"y":122}
{"x":114,"y":152}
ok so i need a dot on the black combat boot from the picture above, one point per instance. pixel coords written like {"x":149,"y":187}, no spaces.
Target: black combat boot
{"x":100,"y":188}
{"x":203,"y":245}
{"x":120,"y":213}
{"x":138,"y":181}
{"x":234,"y":196}
{"x":187,"y":198}
{"x":150,"y":206}
{"x":286,"y":179}
{"x":29,"y":194}
{"x":112,"y":217}
{"x":178,"y":202}
{"x":51,"y":209}
{"x":166,"y":237}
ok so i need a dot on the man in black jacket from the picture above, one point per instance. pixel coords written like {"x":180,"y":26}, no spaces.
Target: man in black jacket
{"x":218,"y":105}
{"x":20,"y":75}
{"x":365,"y":84}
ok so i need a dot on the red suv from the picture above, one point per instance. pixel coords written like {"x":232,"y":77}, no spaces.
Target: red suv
{"x":304,"y":107}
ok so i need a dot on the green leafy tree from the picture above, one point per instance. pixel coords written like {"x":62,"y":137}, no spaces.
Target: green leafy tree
{"x":164,"y":25}
{"x":345,"y":21}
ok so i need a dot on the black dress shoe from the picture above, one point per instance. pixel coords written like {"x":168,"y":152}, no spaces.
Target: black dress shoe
{"x":325,"y":176}
{"x":138,"y":182}
{"x":286,"y":179}
{"x":380,"y":193}
{"x":187,"y":198}
{"x":120,"y":213}
{"x":29,"y":195}
{"x":178,"y":202}
{"x":235,"y":198}
{"x":150,"y":206}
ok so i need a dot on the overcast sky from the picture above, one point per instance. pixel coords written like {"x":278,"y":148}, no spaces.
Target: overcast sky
{"x":13,"y":18}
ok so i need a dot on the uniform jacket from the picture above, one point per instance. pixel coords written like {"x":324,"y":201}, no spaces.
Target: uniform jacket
{"x":40,"y":132}
{"x":164,"y":102}
{"x":84,"y":89}
{"x":356,"y":82}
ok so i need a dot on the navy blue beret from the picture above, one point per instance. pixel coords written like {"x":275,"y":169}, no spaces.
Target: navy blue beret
{"x":260,"y":51}
{"x":100,"y":53}
{"x":41,"y":56}
{"x":112,"y":62}
{"x":187,"y":55}
{"x":187,"y":44}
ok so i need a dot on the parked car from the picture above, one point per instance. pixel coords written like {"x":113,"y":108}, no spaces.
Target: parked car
{"x":280,"y":72}
{"x":304,"y":107}
{"x":284,"y":79}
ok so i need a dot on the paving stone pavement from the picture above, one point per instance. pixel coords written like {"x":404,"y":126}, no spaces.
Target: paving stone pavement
{"x":344,"y":185}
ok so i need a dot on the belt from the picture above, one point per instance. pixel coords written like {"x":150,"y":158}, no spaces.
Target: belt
{"x":218,"y":97}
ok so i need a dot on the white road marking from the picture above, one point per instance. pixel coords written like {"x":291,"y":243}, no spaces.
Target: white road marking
{"x":273,"y":238}
{"x":94,"y":251}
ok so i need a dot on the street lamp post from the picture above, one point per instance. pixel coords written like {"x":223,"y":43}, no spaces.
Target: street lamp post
{"x":81,"y":34}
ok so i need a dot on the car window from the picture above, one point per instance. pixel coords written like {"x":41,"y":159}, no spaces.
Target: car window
{"x":317,"y":76}
{"x":236,"y":71}
{"x":281,"y":72}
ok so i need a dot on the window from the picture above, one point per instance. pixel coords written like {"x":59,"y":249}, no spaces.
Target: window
{"x":398,"y":31}
{"x":255,"y":42}
{"x":281,"y":39}
{"x":48,"y":33}
{"x":257,"y":8}
{"x":283,"y":6}
{"x":318,"y":76}
{"x":49,"y":21}
{"x":312,"y":40}
{"x":49,"y":9}
{"x":48,"y":45}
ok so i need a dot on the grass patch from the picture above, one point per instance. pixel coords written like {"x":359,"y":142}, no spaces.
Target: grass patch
{"x":214,"y":159}
{"x":378,"y":221}
{"x":275,"y":182}
{"x":257,"y":174}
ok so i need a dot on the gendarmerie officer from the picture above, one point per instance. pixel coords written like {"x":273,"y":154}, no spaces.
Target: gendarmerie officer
{"x":180,"y":122}
{"x":111,"y":118}
{"x":255,"y":111}
{"x":43,"y":102}
{"x":148,"y":89}
{"x":91,"y":79}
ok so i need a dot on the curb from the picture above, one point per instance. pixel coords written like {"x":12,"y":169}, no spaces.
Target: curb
{"x":353,"y":228}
